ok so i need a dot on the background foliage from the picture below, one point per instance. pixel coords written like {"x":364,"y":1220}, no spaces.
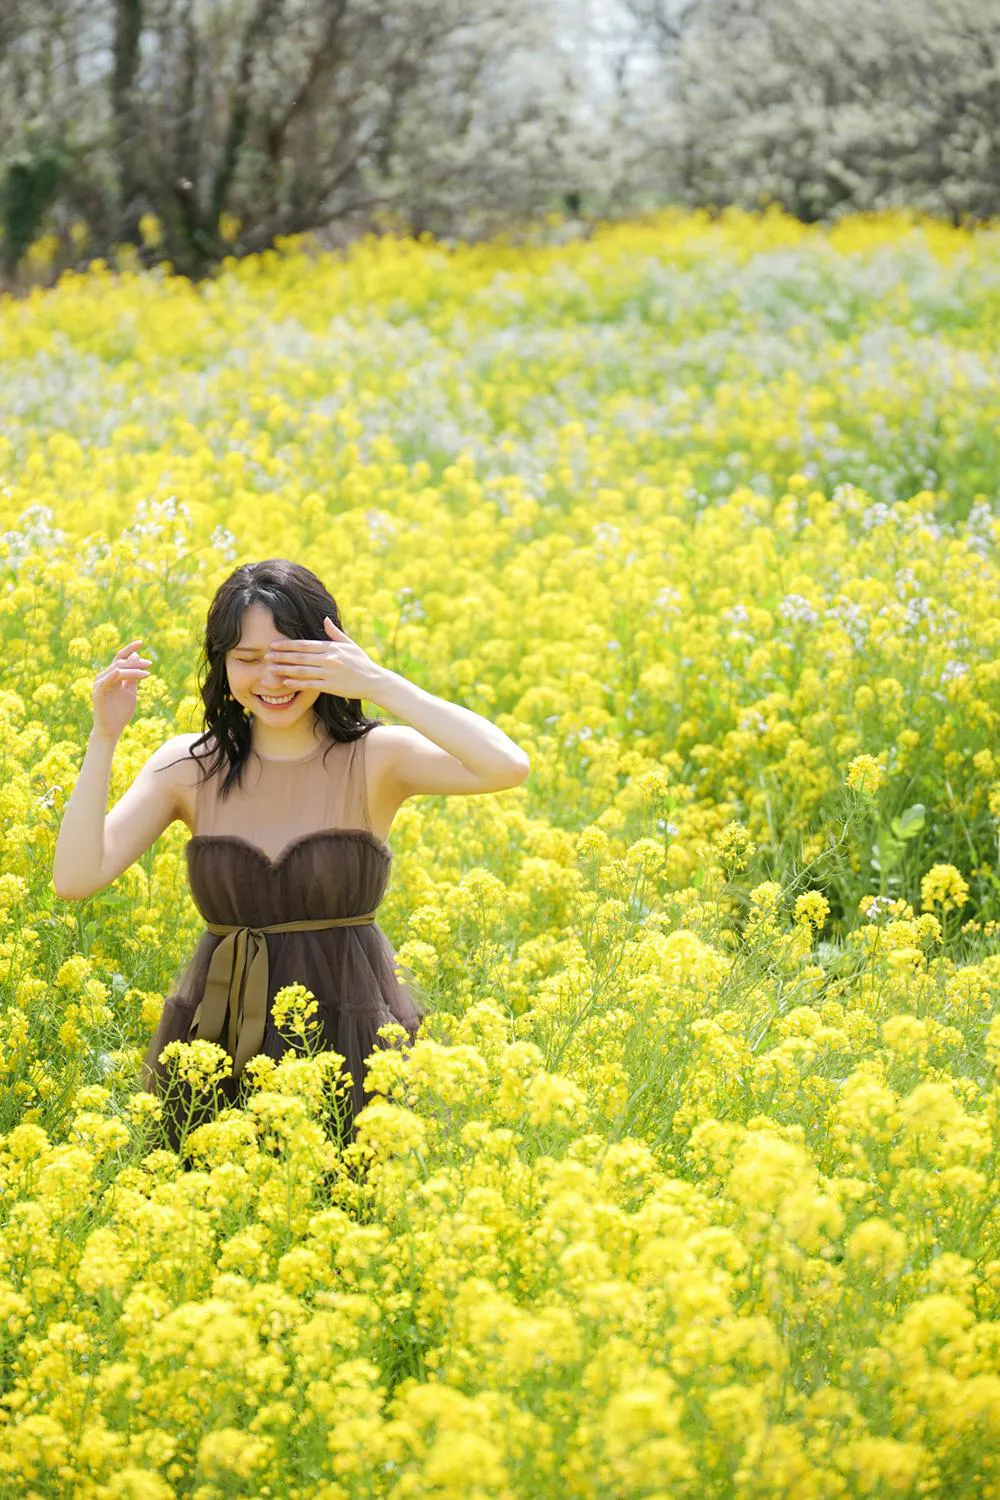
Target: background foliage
{"x":196,"y":129}
{"x":690,"y":1185}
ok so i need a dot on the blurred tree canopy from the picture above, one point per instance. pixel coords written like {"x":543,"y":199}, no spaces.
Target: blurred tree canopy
{"x":825,"y":109}
{"x":227,"y":124}
{"x":278,"y":116}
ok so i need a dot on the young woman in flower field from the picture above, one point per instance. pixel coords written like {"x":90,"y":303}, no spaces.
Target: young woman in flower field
{"x":289,"y":794}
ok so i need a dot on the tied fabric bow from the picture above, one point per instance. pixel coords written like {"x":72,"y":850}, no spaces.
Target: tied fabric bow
{"x":235,"y":997}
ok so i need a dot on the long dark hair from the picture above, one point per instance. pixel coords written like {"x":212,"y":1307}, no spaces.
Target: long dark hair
{"x":297,"y":601}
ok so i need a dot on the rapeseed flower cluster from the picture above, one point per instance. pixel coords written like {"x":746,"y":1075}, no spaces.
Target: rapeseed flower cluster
{"x":688,"y":1186}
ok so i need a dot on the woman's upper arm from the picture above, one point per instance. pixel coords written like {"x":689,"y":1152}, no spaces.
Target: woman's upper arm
{"x":144,"y":810}
{"x":404,"y":763}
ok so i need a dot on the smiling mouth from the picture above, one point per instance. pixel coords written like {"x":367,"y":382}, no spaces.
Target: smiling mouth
{"x":276,"y":702}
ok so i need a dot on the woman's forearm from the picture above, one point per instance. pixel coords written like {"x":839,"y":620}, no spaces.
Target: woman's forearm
{"x":79,"y":853}
{"x":474,"y":740}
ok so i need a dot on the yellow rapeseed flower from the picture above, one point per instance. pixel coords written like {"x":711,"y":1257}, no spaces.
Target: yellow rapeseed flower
{"x":943,"y":886}
{"x":865,"y":774}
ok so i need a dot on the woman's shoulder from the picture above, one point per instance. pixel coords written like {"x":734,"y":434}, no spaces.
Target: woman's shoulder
{"x":183,"y":761}
{"x":186,"y":755}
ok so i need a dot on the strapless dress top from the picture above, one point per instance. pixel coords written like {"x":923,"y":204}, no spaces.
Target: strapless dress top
{"x":306,"y":916}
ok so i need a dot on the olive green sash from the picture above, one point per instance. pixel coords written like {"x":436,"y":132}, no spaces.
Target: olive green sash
{"x":237,"y":985}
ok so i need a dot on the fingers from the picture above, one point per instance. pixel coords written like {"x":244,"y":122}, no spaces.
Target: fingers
{"x":137,"y":665}
{"x":126,"y":652}
{"x":121,"y":676}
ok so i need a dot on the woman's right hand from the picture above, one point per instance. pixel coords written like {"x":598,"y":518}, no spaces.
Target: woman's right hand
{"x":115,"y":690}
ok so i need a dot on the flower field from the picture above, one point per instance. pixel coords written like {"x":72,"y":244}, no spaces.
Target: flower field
{"x":689,"y":1187}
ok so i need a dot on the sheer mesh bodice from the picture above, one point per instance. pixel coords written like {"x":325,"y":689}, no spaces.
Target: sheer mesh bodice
{"x":292,"y":845}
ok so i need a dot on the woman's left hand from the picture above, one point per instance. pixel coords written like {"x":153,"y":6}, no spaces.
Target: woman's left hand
{"x":335,"y":665}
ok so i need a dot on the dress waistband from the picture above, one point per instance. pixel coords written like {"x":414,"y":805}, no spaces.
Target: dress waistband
{"x":235,"y":997}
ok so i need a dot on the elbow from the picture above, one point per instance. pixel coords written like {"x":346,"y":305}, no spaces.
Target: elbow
{"x":78,"y":893}
{"x":521,"y":770}
{"x":64,"y":893}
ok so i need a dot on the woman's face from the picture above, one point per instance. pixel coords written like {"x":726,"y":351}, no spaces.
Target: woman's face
{"x":250,"y":676}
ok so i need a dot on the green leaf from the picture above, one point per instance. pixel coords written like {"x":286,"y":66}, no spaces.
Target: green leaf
{"x":910,"y":822}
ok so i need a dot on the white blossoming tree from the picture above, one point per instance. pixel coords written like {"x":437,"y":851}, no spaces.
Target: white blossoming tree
{"x":280,"y":116}
{"x":234,"y":122}
{"x":826,"y":109}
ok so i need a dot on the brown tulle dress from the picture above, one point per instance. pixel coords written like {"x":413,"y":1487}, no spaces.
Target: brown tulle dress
{"x":293,"y":845}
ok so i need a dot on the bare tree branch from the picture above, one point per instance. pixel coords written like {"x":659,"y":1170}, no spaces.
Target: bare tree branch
{"x":321,"y":64}
{"x":239,"y":117}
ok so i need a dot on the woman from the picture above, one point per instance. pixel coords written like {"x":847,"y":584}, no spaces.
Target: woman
{"x":289,"y":793}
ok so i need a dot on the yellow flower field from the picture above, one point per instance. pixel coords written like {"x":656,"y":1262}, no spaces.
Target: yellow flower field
{"x":689,"y":1187}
